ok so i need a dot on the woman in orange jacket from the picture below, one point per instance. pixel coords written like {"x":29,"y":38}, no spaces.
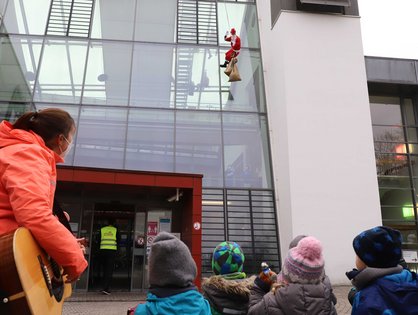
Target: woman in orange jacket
{"x":29,"y":151}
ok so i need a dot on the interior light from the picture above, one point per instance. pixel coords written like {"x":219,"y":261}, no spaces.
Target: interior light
{"x":408,"y":212}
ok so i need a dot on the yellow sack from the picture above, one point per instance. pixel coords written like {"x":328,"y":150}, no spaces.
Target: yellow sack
{"x":234,"y":76}
{"x":228,"y":69}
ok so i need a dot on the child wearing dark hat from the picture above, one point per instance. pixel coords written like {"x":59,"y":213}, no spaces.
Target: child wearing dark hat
{"x":382,"y":285}
{"x":171,"y":273}
{"x":228,"y":290}
{"x":300,"y":288}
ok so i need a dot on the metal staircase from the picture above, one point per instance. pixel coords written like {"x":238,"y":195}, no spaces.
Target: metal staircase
{"x":196,"y":24}
{"x":70,"y":18}
{"x":184,"y":84}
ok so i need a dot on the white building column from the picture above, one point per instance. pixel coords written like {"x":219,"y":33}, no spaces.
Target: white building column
{"x":320,"y":131}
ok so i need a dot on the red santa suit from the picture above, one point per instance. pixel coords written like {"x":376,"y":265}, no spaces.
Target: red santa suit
{"x":235,"y":45}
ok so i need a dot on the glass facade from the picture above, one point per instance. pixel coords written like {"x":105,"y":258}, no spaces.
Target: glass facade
{"x":142,"y":80}
{"x":395,"y":132}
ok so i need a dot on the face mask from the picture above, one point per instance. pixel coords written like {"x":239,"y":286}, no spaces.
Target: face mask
{"x":70,"y":145}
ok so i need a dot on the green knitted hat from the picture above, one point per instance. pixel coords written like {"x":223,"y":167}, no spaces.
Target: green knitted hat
{"x":227,"y":258}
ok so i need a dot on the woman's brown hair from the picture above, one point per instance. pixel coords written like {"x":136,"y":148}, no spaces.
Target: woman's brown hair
{"x":47,"y":123}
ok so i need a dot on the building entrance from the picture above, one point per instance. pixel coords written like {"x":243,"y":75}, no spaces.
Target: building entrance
{"x":121,"y":216}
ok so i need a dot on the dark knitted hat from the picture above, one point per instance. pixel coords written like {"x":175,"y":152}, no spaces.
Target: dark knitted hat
{"x":379,"y":247}
{"x":227,"y":258}
{"x":170,"y":262}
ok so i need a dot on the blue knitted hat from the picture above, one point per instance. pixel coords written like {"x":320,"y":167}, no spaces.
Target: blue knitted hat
{"x":379,"y":247}
{"x":227,"y":258}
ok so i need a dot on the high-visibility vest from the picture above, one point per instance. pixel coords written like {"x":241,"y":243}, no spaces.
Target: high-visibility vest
{"x":108,"y":238}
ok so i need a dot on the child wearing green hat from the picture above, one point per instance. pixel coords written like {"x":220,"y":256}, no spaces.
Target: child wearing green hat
{"x":228,"y":290}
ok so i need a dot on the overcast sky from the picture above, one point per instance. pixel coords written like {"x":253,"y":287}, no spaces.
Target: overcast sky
{"x":389,"y":28}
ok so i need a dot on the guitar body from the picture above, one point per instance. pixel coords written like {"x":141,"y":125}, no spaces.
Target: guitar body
{"x":31,"y":282}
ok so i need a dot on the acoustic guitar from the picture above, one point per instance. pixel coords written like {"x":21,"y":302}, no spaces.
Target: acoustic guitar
{"x":30,"y":281}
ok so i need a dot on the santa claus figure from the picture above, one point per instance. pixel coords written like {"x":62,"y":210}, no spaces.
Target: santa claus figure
{"x":235,"y":46}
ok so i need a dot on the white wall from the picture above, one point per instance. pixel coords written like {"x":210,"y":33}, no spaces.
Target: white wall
{"x":320,"y":129}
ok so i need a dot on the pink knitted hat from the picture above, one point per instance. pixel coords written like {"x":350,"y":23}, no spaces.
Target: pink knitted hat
{"x":304,"y":263}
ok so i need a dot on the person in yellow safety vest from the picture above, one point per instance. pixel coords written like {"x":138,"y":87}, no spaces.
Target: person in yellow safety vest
{"x":108,"y":249}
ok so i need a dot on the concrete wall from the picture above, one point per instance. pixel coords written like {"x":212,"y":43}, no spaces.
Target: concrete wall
{"x":320,"y":129}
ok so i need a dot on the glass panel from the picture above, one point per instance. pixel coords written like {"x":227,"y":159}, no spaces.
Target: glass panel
{"x":388,"y":133}
{"x":113,"y":19}
{"x":414,"y":163}
{"x":61,"y":71}
{"x":26,"y":17}
{"x":242,"y":17}
{"x":139,"y":251}
{"x":101,"y":138}
{"x":154,"y":24}
{"x":73,"y":110}
{"x":150,"y":140}
{"x":394,"y":182}
{"x":2,"y":8}
{"x":246,"y":151}
{"x":85,"y":231}
{"x":409,"y":112}
{"x":390,"y":147}
{"x":153,"y":76}
{"x":197,"y":78}
{"x":248,"y":94}
{"x":395,"y":197}
{"x":392,"y":164}
{"x":19,"y":58}
{"x":12,"y":111}
{"x":397,"y":214}
{"x":412,"y":134}
{"x":198,"y":145}
{"x":108,"y":72}
{"x":385,"y":111}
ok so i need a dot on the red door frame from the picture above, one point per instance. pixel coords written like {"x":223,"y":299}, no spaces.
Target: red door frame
{"x":191,"y":231}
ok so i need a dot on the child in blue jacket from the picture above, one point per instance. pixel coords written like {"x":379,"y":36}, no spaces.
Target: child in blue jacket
{"x":171,"y":273}
{"x":383,"y":286}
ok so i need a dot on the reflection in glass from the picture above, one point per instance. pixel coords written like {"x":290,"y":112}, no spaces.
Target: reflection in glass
{"x":246,"y":151}
{"x":391,"y":164}
{"x":12,"y":111}
{"x":248,"y":94}
{"x":153,"y":76}
{"x":198,"y":145}
{"x":394,"y":182}
{"x":386,"y":112}
{"x":113,"y":19}
{"x":409,"y":112}
{"x":242,"y":17}
{"x":73,"y":110}
{"x":197,"y":78}
{"x":19,"y":58}
{"x":393,"y":215}
{"x":150,"y":140}
{"x":101,"y":137}
{"x":395,"y":197}
{"x":26,"y":17}
{"x":388,"y":133}
{"x":154,"y":24}
{"x":414,"y":164}
{"x":61,"y":71}
{"x":107,"y":74}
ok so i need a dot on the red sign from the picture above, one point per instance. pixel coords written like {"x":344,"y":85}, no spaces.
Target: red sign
{"x":152,"y":229}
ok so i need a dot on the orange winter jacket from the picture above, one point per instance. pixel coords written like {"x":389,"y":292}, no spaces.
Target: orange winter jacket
{"x":28,"y":179}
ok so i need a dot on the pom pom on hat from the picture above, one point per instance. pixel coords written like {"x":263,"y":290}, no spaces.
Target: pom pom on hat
{"x":304,"y":263}
{"x":227,"y":258}
{"x":379,"y":247}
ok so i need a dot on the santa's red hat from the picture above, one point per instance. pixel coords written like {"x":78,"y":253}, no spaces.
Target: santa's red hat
{"x":233,"y":31}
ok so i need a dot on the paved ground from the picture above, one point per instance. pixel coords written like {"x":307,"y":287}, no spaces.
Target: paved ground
{"x":116,"y":304}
